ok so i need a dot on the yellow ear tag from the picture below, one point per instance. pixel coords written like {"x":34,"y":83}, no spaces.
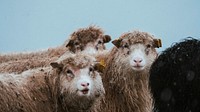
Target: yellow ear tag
{"x":102,"y":62}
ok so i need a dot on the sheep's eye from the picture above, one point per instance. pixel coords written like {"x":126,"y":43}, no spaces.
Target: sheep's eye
{"x":76,"y":43}
{"x":148,"y":46}
{"x":100,"y":42}
{"x":125,"y":46}
{"x":91,"y":72}
{"x":91,"y":69}
{"x":69,"y":72}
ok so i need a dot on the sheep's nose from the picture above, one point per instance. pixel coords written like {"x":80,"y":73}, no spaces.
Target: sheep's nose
{"x":85,"y":84}
{"x":138,"y":60}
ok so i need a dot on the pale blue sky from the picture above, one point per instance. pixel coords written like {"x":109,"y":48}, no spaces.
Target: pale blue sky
{"x":27,"y":25}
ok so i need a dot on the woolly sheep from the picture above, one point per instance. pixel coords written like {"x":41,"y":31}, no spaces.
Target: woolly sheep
{"x":73,"y":85}
{"x":88,"y":40}
{"x":125,"y":77}
{"x":175,"y":78}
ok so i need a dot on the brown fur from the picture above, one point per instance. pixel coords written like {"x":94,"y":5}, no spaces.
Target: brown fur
{"x":82,"y":37}
{"x":127,"y":90}
{"x":22,"y":65}
{"x":51,"y":52}
{"x":35,"y":96}
{"x":39,"y":90}
{"x":23,"y":61}
{"x":20,"y":62}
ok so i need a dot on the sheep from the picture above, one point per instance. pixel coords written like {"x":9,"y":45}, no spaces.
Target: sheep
{"x":41,"y":54}
{"x":126,"y":73}
{"x":73,"y":85}
{"x":88,"y":40}
{"x":19,"y":66}
{"x":175,"y":76}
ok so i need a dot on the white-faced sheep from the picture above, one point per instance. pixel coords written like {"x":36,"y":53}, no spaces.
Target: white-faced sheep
{"x":73,"y":85}
{"x":175,"y":78}
{"x":89,"y":40}
{"x":125,"y":77}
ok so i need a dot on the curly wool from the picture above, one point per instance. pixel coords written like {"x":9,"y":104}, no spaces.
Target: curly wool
{"x":86,"y":35}
{"x":23,"y":61}
{"x":175,"y":78}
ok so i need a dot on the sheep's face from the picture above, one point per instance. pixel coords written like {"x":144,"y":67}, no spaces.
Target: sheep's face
{"x":90,"y":46}
{"x":96,"y":46}
{"x":141,"y":56}
{"x":81,"y":81}
{"x":137,"y":55}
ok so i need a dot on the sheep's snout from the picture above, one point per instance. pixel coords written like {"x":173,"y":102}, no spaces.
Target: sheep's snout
{"x":85,"y":89}
{"x":137,"y":61}
{"x":84,"y":85}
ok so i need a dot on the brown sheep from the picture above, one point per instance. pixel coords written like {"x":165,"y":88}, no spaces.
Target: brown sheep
{"x":73,"y":85}
{"x":89,"y":40}
{"x":126,"y":75}
{"x":51,"y":52}
{"x":19,"y":66}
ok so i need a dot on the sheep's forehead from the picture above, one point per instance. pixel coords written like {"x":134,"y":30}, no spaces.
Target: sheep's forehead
{"x":134,"y":41}
{"x":78,"y":65}
{"x":76,"y":69}
{"x":86,"y":35}
{"x":78,"y":61}
{"x":137,"y":37}
{"x":138,"y":46}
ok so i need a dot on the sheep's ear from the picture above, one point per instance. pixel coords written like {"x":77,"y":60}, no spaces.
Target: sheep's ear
{"x":117,"y":42}
{"x":70,"y":43}
{"x":106,"y":38}
{"x":56,"y":65}
{"x":157,"y":43}
{"x":100,"y":66}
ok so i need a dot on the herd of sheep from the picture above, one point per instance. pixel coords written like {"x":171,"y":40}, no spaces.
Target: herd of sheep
{"x":83,"y":76}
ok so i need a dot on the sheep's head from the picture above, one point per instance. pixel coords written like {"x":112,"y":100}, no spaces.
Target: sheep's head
{"x":80,"y":76}
{"x":89,"y":40}
{"x":137,"y":50}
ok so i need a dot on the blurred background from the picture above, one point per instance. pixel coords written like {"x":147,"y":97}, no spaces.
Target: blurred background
{"x":28,"y":25}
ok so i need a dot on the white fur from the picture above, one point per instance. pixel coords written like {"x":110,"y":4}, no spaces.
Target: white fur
{"x":81,"y":76}
{"x":138,"y":60}
{"x":89,"y":50}
{"x":84,"y":79}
